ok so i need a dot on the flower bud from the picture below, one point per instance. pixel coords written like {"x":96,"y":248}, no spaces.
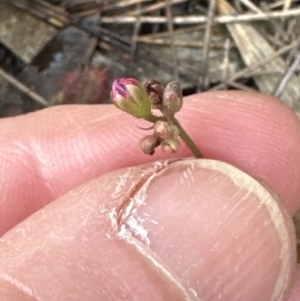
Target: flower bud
{"x":165,"y":129}
{"x":155,"y":91}
{"x":172,"y":100}
{"x":149,"y":143}
{"x":170,"y":146}
{"x":130,"y":95}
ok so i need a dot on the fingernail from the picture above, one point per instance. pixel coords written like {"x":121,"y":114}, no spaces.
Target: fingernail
{"x":219,"y":230}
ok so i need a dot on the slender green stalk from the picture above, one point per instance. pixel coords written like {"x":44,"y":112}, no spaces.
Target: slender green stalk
{"x":152,"y":118}
{"x":187,"y":139}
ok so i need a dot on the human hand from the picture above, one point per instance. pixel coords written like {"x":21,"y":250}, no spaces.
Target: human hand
{"x":212,"y":228}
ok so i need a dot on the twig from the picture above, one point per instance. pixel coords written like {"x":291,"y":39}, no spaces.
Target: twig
{"x":287,"y":5}
{"x":43,"y":10}
{"x":29,"y":92}
{"x":205,"y":53}
{"x":285,"y":78}
{"x":225,"y":65}
{"x":178,"y":43}
{"x":291,"y":27}
{"x":135,"y":35}
{"x":155,"y":6}
{"x":247,"y":70}
{"x":172,"y":39}
{"x":251,"y":6}
{"x":122,"y":4}
{"x":203,"y":19}
{"x":280,"y":34}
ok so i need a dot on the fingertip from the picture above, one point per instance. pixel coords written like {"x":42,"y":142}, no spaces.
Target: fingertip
{"x":49,"y":152}
{"x":74,"y":247}
{"x":254,"y":132}
{"x":178,"y":229}
{"x":222,"y":232}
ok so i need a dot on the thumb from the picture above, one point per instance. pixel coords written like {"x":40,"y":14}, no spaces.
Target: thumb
{"x":184,"y":230}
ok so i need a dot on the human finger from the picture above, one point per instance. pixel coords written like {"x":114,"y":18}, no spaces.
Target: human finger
{"x":47,"y":153}
{"x":185,"y":230}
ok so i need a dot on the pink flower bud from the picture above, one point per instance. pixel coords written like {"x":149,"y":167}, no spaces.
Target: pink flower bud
{"x":155,"y":91}
{"x":130,"y":95}
{"x":172,"y":100}
{"x":170,"y":146}
{"x":149,"y":143}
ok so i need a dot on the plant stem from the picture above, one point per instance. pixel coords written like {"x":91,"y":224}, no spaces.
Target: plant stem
{"x":152,"y":118}
{"x":187,"y":139}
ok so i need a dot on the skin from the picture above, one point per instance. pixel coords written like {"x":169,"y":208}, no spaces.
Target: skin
{"x":70,"y":175}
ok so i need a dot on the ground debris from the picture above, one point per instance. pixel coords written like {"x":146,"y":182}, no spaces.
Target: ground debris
{"x":219,"y":45}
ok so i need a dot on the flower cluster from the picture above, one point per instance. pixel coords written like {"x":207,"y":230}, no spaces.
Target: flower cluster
{"x":165,"y":134}
{"x":139,"y":100}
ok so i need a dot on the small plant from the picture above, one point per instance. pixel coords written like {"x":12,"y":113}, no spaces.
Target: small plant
{"x":139,"y":100}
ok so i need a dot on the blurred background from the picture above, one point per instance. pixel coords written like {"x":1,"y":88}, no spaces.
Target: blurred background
{"x":69,"y":51}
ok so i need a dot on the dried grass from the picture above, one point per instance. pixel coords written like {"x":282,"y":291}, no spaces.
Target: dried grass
{"x":256,"y":45}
